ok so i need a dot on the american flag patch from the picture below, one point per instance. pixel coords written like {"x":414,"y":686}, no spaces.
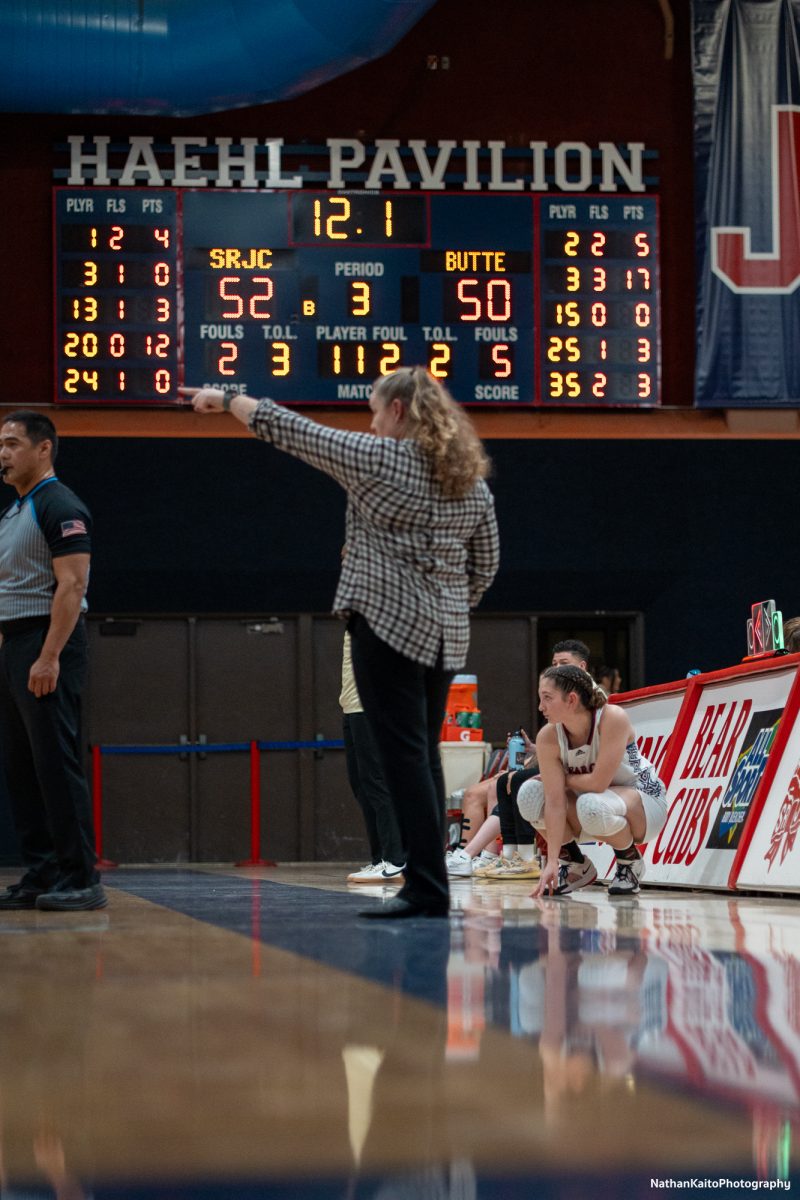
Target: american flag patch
{"x":69,"y":528}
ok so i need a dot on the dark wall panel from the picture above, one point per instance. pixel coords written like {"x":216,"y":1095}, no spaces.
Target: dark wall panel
{"x":688,"y":533}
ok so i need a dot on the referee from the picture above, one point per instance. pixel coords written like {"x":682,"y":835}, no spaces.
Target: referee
{"x":44,"y":570}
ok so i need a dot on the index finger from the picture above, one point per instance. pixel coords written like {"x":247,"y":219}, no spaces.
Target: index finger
{"x":188,"y":391}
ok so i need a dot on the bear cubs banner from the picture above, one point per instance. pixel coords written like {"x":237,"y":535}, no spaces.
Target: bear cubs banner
{"x":747,"y":171}
{"x":716,"y":776}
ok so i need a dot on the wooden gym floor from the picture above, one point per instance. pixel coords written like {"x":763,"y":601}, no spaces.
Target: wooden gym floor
{"x":244,"y":1035}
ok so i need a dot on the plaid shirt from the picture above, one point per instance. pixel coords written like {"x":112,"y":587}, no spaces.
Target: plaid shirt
{"x":416,"y":562}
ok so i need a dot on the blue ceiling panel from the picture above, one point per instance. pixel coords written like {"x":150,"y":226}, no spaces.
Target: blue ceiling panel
{"x":182,"y":57}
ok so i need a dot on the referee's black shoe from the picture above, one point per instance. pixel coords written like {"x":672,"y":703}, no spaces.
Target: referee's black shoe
{"x":73,"y":899}
{"x":18,"y":897}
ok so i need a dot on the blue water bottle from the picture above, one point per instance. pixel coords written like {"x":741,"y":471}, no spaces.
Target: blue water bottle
{"x":516,"y":751}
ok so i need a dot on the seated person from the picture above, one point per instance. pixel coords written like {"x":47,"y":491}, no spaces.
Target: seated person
{"x":609,"y":679}
{"x":479,"y":803}
{"x":791,"y":635}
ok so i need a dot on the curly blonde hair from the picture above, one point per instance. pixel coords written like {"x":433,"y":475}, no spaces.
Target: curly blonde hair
{"x":442,"y":429}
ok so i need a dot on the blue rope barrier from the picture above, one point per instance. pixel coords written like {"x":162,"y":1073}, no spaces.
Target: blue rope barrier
{"x":219,"y":747}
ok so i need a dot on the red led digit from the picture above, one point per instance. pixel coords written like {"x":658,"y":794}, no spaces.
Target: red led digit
{"x":461,"y":292}
{"x":642,"y":244}
{"x":598,"y":244}
{"x":498,"y":300}
{"x":599,"y":314}
{"x":643,"y":315}
{"x":232,"y":297}
{"x":163,"y":381}
{"x":120,"y":272}
{"x":231,"y":354}
{"x":121,"y":381}
{"x":162,"y":309}
{"x":501,"y":360}
{"x":116,"y":345}
{"x":117,"y":234}
{"x":161,"y":274}
{"x":265,"y":296}
{"x":121,"y":309}
{"x":162,"y":235}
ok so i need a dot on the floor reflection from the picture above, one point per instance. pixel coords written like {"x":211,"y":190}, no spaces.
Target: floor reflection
{"x":213,"y":1036}
{"x":701,"y":994}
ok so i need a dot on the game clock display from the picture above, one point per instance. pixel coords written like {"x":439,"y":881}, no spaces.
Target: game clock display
{"x":308,"y":296}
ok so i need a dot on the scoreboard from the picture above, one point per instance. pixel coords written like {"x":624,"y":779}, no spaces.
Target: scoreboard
{"x":308,"y":296}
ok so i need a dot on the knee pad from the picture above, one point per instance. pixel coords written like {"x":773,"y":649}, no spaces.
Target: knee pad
{"x":530,"y":802}
{"x":602,"y":814}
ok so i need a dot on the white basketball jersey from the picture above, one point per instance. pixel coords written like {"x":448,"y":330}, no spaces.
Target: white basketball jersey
{"x":634,"y":770}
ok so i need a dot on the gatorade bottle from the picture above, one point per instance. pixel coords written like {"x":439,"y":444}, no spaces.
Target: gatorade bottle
{"x":516,"y":751}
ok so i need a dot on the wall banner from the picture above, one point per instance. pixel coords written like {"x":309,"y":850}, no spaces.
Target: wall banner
{"x":717,"y":772}
{"x":746,"y":62}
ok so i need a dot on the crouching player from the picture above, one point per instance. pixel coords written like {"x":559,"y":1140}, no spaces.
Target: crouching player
{"x":594,"y":782}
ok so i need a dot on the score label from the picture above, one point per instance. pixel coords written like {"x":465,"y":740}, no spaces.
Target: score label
{"x":599,"y":302}
{"x":308,"y":296}
{"x":116,"y":321}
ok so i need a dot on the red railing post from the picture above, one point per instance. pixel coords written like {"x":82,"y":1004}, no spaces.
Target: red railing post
{"x":255,"y":859}
{"x":103,"y":864}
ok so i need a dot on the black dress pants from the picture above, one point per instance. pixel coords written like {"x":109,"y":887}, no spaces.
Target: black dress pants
{"x":404,"y":702}
{"x":368,"y":785}
{"x":42,"y":759}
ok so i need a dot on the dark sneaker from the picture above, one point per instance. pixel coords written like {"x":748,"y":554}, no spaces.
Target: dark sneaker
{"x":572,"y":876}
{"x":18,"y":897}
{"x":626,"y":880}
{"x":73,"y":899}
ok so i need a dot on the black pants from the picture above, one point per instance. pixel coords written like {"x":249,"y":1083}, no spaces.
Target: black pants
{"x":41,"y":755}
{"x":370,"y":790}
{"x":404,"y":702}
{"x":514,"y":829}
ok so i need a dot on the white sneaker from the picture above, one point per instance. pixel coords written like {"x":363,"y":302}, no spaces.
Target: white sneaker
{"x":389,"y":873}
{"x":626,"y":880}
{"x":368,"y":874}
{"x":515,"y":867}
{"x":458,"y":863}
{"x":485,"y":859}
{"x":572,"y":876}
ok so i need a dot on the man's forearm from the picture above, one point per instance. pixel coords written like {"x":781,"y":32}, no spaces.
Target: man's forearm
{"x":64,"y":614}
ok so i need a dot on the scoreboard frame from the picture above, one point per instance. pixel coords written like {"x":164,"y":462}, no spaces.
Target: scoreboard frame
{"x":503,"y":296}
